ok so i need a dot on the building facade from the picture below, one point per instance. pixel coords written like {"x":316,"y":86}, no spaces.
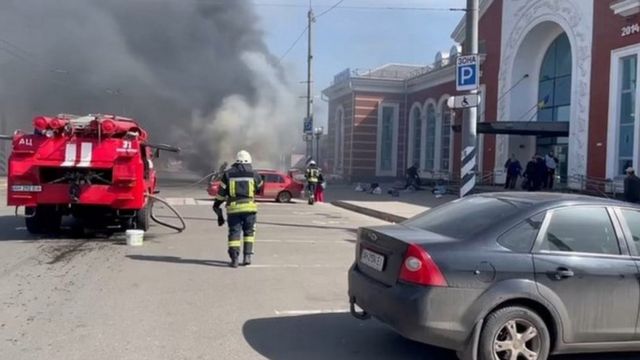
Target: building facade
{"x":556,"y":75}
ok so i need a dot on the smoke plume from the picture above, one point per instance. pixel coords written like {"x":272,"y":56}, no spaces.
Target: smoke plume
{"x":195,"y":73}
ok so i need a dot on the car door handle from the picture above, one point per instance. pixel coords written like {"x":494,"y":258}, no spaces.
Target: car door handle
{"x":563,"y":273}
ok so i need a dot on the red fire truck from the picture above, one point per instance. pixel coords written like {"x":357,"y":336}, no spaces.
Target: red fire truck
{"x":96,"y":168}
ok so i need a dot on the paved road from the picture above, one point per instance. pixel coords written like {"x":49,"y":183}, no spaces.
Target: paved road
{"x":175,"y":298}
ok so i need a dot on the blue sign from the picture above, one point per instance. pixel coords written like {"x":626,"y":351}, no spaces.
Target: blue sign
{"x":467,"y":73}
{"x":308,"y":125}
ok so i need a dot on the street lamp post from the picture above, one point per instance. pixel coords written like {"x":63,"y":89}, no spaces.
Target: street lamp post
{"x":318,"y":132}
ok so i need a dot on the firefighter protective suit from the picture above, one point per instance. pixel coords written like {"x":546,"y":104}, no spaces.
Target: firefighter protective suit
{"x":238,"y":188}
{"x":313,"y":177}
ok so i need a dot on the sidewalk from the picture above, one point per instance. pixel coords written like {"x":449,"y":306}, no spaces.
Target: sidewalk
{"x":384,"y":207}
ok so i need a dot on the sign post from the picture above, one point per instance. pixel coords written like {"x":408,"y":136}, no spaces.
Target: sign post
{"x":467,"y":73}
{"x":468,"y":79}
{"x":464,"y":101}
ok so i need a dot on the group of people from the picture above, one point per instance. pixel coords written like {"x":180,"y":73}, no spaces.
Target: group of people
{"x":238,"y":188}
{"x":539,"y":173}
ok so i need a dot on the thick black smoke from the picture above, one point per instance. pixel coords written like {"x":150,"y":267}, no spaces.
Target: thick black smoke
{"x":195,"y":72}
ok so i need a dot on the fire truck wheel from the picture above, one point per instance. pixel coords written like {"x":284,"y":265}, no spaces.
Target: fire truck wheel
{"x":143,"y":217}
{"x":42,"y":219}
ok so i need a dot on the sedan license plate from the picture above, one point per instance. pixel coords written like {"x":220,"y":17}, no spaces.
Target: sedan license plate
{"x":371,"y":259}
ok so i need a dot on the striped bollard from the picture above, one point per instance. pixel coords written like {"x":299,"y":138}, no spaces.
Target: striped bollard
{"x":468,"y":174}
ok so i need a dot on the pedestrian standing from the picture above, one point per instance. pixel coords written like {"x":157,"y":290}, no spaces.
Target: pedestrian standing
{"x":631,"y":186}
{"x":552,"y":163}
{"x":530,"y":175}
{"x":238,"y":188}
{"x":513,"y":169}
{"x":541,"y":173}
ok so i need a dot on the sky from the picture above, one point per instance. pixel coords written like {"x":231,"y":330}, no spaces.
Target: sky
{"x":357,"y":38}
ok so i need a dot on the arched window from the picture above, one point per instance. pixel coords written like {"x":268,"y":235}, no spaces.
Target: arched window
{"x":415,"y":136}
{"x":430,"y":152}
{"x":339,"y":146}
{"x":445,"y":147}
{"x":554,"y":91}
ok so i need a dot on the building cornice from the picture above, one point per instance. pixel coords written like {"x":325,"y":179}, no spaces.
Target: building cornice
{"x":458,"y":33}
{"x":625,"y":7}
{"x":432,"y":79}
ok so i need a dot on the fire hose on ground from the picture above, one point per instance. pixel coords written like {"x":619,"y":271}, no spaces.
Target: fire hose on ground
{"x":153,"y":199}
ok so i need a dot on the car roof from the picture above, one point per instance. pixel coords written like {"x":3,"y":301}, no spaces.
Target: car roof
{"x":548,"y":199}
{"x":268,"y":171}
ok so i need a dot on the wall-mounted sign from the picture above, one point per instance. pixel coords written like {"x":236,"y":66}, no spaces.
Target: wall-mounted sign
{"x":630,"y":29}
{"x":342,"y":76}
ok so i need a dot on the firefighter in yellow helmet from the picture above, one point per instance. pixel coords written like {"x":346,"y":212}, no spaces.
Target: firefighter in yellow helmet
{"x":238,"y":188}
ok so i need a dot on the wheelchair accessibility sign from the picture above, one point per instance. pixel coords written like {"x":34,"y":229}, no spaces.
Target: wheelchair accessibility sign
{"x":467,"y":73}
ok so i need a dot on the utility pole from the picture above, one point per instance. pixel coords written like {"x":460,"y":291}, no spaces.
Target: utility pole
{"x":469,"y":124}
{"x":309,"y":136}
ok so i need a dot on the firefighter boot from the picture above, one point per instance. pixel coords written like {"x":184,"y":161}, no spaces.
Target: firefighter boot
{"x":234,"y":254}
{"x":248,"y":251}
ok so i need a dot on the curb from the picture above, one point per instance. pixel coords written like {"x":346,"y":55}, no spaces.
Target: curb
{"x":369,"y":212}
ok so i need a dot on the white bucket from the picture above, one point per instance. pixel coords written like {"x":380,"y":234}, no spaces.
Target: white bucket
{"x":135,"y":237}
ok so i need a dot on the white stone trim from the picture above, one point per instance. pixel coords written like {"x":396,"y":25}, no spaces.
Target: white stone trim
{"x":614,"y":111}
{"x":575,"y":17}
{"x":625,"y":8}
{"x":394,"y":146}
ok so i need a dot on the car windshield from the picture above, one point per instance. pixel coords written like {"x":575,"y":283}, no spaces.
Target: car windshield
{"x":466,"y":218}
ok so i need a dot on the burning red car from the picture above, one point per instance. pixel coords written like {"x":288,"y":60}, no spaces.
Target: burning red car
{"x":277,"y":186}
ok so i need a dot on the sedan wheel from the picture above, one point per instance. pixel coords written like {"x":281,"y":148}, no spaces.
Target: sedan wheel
{"x":518,"y":339}
{"x":514,"y":333}
{"x":284,"y":197}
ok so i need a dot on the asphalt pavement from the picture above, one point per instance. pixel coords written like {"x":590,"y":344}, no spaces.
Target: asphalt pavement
{"x":175,"y":298}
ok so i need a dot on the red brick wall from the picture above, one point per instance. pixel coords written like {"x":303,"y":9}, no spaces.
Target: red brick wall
{"x":365,"y":133}
{"x":606,"y":37}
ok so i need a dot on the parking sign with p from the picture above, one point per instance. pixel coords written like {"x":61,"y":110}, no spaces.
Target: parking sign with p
{"x":467,"y":78}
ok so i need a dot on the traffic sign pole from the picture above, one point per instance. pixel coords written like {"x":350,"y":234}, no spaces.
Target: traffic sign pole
{"x":468,"y":162}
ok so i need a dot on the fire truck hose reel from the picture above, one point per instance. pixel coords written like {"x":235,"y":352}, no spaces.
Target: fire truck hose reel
{"x":180,"y":228}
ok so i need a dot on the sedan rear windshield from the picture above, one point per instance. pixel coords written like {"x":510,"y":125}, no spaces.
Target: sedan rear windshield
{"x":467,"y":217}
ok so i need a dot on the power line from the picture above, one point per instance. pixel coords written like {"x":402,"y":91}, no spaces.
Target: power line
{"x":329,"y":9}
{"x":347,"y":7}
{"x":294,"y":44}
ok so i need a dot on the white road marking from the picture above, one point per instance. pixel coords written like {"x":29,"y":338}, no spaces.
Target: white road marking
{"x":304,"y":241}
{"x":311,"y":312}
{"x":296,"y":266}
{"x":207,"y":202}
{"x":21,"y":228}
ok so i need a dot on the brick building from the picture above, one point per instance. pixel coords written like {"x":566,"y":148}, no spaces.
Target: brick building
{"x":557,"y":75}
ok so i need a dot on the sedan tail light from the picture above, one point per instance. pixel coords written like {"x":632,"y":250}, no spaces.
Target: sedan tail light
{"x":419,"y":268}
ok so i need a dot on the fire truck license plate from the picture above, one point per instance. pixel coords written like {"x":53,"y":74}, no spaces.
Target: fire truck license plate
{"x":371,"y":259}
{"x":26,"y":188}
